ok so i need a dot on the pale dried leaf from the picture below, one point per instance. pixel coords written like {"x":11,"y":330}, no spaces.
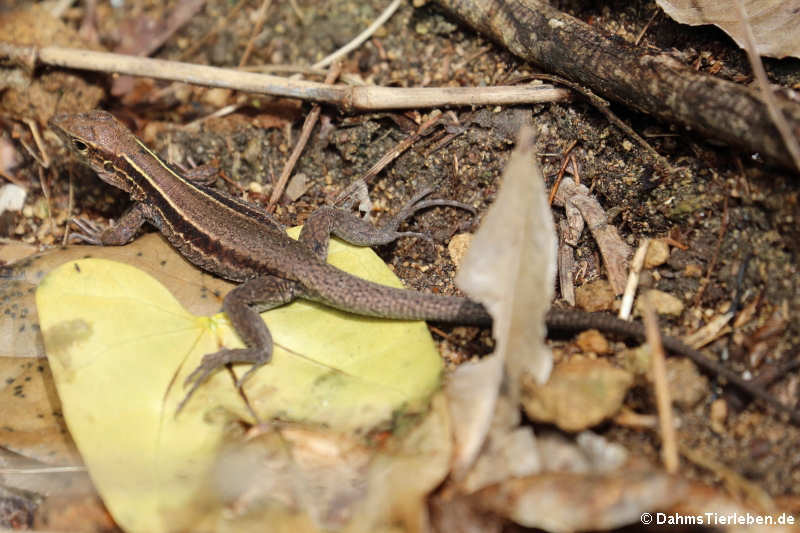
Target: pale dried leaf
{"x":561,"y":501}
{"x":510,"y":268}
{"x":774,"y":22}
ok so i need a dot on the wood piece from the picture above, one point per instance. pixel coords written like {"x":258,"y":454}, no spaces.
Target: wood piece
{"x":648,"y":81}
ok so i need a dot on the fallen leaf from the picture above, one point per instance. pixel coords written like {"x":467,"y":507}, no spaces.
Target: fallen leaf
{"x":199,"y":292}
{"x":565,"y":502}
{"x":32,"y":423}
{"x":120,"y":346}
{"x":509,"y":267}
{"x":774,"y":22}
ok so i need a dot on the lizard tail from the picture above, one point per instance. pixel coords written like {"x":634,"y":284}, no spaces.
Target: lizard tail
{"x":366,"y":298}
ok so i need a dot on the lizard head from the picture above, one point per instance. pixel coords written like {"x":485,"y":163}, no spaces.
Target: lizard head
{"x":100,"y":141}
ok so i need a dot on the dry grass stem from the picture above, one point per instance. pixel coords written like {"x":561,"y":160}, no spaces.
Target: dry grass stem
{"x":633,"y":280}
{"x":669,"y":442}
{"x":361,"y":37}
{"x":305,"y":133}
{"x":347,"y":98}
{"x":261,"y":17}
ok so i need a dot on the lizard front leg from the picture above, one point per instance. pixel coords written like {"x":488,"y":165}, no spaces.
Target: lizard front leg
{"x":327,"y":221}
{"x":120,"y":233}
{"x":242,"y":305}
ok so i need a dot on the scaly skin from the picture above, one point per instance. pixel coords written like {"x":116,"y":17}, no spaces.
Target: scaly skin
{"x":242,"y":242}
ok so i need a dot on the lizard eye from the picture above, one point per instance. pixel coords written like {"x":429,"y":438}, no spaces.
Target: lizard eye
{"x":80,"y":146}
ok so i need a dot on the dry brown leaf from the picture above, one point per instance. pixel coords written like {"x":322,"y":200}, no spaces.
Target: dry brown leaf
{"x":774,"y":22}
{"x":199,"y":292}
{"x":33,"y":425}
{"x":510,"y":268}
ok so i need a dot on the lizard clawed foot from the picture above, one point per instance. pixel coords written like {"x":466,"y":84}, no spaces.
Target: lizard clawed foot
{"x":214,"y":361}
{"x":89,"y":231}
{"x":417,"y":204}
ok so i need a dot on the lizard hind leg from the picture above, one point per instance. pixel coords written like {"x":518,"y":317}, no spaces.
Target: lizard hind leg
{"x":327,"y":221}
{"x":242,"y":305}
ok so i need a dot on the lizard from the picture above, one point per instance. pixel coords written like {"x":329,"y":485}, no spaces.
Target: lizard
{"x":242,"y":242}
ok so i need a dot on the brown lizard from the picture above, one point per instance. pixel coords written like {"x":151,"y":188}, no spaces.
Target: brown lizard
{"x":242,"y":242}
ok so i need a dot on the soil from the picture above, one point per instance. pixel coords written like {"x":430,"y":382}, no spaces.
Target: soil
{"x":723,"y":208}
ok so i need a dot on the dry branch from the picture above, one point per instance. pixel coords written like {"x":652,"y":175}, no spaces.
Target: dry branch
{"x":654,"y":83}
{"x":359,"y":98}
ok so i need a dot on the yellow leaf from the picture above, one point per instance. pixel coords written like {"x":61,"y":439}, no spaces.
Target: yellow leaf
{"x":120,"y":347}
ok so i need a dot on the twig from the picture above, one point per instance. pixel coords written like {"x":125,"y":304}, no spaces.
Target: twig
{"x":344,"y":77}
{"x":70,"y":205}
{"x":34,"y":127}
{"x":633,"y":280}
{"x":566,"y":264}
{"x":766,"y":92}
{"x":561,"y":171}
{"x":646,"y":26}
{"x":305,"y":133}
{"x":669,"y":446}
{"x":575,"y":171}
{"x":613,"y":249}
{"x":635,"y":76}
{"x":387,"y":158}
{"x":347,"y":98}
{"x":361,"y":37}
{"x":46,"y":193}
{"x":261,"y":18}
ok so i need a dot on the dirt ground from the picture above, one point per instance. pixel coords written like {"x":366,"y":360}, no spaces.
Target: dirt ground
{"x":721,"y":204}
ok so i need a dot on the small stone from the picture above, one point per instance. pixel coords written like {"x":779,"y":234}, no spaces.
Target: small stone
{"x":718,"y":415}
{"x":692,"y":270}
{"x":636,"y":360}
{"x":627,"y":145}
{"x":12,"y":197}
{"x":595,"y":296}
{"x":663,"y":303}
{"x":217,"y":97}
{"x":686,"y":384}
{"x":580,"y":393}
{"x":458,"y":246}
{"x":255,"y":187}
{"x":592,"y":341}
{"x":657,"y":254}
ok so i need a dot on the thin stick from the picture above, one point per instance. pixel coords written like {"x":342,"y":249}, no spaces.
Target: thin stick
{"x":644,"y":30}
{"x":34,"y":127}
{"x":387,"y":158}
{"x":561,"y":171}
{"x":46,"y":192}
{"x":305,"y":133}
{"x":347,"y":98}
{"x":769,"y":98}
{"x":669,"y":443}
{"x":260,"y":19}
{"x":361,"y":37}
{"x":70,"y":205}
{"x":633,"y":280}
